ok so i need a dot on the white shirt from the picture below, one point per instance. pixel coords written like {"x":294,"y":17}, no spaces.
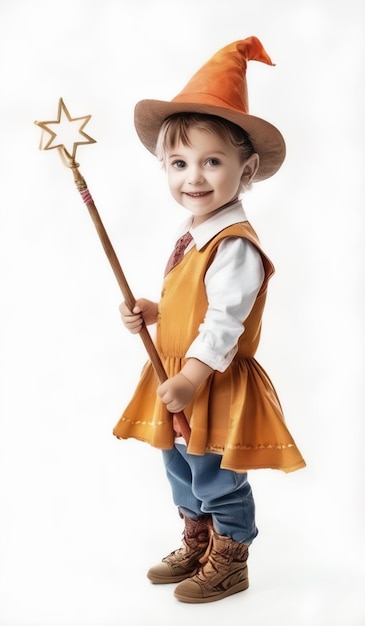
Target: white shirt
{"x":232,"y":283}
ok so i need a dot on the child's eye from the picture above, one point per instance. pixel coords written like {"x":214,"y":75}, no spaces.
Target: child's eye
{"x":212,"y":162}
{"x":179,"y":164}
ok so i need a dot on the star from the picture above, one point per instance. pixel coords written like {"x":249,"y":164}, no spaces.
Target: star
{"x":67,"y":135}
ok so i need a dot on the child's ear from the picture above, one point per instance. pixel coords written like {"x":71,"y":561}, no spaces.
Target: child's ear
{"x":250,"y":169}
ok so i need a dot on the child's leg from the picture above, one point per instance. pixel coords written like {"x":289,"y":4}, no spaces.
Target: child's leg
{"x":200,"y":486}
{"x":180,"y":478}
{"x":184,"y":561}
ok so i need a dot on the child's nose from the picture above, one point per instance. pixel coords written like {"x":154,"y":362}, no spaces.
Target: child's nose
{"x":195,"y":176}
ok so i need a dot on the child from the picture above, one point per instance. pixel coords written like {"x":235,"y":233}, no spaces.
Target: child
{"x":208,"y":327}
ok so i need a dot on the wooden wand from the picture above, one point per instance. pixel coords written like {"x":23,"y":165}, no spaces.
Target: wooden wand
{"x":68,"y":158}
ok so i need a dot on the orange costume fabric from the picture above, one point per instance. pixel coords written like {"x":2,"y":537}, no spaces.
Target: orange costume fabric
{"x":235,"y":413}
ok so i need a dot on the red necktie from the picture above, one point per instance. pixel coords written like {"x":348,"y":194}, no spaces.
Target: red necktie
{"x":178,"y":252}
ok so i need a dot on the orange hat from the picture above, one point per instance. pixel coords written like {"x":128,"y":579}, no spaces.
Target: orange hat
{"x":219,"y":88}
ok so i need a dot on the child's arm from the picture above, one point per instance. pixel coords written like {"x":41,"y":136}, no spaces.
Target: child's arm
{"x":232,"y":284}
{"x":178,"y":391}
{"x":144,"y":311}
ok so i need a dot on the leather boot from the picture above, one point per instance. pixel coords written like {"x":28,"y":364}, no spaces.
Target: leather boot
{"x":185,"y":561}
{"x":224,"y":573}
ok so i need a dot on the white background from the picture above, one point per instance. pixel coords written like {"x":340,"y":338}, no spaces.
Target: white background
{"x":84,"y":515}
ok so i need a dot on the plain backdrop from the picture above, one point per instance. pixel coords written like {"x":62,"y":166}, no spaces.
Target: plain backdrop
{"x":84,"y":515}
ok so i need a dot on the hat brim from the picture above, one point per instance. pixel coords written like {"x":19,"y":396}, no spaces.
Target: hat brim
{"x":267,"y":140}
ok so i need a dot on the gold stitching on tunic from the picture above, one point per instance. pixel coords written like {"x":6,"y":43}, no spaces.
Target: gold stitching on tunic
{"x":278,"y":446}
{"x":144,"y":422}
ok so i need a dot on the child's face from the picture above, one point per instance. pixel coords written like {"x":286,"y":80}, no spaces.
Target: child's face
{"x":204,"y":176}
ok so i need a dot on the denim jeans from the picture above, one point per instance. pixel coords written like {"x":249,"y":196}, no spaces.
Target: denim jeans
{"x":200,"y":486}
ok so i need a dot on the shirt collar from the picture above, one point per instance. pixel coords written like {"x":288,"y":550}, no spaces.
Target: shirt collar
{"x":203,"y":233}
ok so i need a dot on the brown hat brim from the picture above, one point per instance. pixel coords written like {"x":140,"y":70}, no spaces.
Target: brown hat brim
{"x":267,"y":140}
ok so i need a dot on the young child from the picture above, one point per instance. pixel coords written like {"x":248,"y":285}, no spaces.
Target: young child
{"x":208,"y":327}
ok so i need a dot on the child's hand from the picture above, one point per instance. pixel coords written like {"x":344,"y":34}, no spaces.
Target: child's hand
{"x":144,"y":311}
{"x":176,"y":392}
{"x":179,"y":390}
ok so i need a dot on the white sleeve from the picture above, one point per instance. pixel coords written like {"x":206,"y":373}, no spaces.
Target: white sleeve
{"x":232,"y":283}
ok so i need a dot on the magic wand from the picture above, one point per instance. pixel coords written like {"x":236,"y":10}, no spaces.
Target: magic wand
{"x":64,"y":142}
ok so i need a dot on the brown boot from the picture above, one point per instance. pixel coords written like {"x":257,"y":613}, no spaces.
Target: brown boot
{"x":185,"y":561}
{"x":223,"y":573}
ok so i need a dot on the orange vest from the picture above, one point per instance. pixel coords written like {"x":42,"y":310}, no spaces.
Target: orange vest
{"x":235,"y":413}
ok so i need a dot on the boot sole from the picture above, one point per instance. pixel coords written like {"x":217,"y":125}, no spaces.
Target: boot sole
{"x":242,"y":586}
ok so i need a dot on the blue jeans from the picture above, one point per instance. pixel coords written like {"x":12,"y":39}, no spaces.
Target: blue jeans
{"x":199,"y":486}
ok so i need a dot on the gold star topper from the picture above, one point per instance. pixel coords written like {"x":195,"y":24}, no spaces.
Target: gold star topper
{"x":66,"y":137}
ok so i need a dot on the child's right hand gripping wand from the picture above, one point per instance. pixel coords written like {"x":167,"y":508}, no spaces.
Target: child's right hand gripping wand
{"x":68,"y":157}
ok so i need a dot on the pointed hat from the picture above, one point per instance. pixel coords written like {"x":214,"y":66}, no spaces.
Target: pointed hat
{"x":219,"y":88}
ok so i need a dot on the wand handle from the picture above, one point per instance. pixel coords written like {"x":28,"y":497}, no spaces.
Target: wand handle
{"x":125,"y":289}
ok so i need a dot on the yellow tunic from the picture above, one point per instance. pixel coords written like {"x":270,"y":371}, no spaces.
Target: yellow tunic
{"x":235,"y":413}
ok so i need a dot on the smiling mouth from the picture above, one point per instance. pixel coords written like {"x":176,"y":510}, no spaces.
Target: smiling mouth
{"x":197,"y":194}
